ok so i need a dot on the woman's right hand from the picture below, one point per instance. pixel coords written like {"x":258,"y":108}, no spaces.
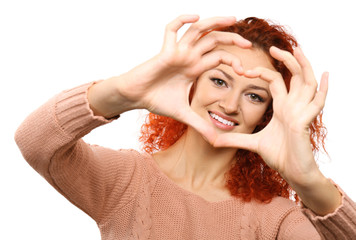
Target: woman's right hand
{"x":162,"y":84}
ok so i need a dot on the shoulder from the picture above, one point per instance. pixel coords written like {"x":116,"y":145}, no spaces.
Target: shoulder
{"x":280,"y":218}
{"x":274,"y":211}
{"x":141,"y":163}
{"x":279,"y":206}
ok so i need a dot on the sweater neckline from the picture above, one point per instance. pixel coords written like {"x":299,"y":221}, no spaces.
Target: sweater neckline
{"x":185,"y":192}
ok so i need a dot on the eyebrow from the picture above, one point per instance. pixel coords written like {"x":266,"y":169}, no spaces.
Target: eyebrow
{"x":228,"y":76}
{"x":250,"y":86}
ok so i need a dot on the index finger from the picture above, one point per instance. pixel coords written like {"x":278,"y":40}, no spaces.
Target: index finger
{"x":196,"y":30}
{"x":172,"y":28}
{"x":276,"y":83}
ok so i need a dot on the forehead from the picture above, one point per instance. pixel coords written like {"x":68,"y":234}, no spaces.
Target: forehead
{"x":250,"y":58}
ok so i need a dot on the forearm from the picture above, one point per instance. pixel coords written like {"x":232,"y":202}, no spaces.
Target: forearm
{"x":316,"y":191}
{"x":105,"y":99}
{"x":320,"y":195}
{"x":56,"y":126}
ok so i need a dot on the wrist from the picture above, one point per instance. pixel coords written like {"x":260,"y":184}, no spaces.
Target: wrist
{"x":319,"y":194}
{"x":105,"y":100}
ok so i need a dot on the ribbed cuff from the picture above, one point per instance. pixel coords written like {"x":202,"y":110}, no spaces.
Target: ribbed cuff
{"x":340,"y":224}
{"x":74,"y":114}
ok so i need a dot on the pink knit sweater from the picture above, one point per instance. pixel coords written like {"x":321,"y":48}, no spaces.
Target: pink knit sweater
{"x":129,"y":197}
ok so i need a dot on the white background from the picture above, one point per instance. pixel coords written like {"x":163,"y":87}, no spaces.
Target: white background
{"x":49,"y":46}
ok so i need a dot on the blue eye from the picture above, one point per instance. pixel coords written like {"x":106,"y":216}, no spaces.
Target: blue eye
{"x":219,"y":82}
{"x":255,"y":98}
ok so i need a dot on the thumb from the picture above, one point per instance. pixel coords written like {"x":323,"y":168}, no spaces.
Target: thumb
{"x":192,"y":119}
{"x":237,"y":140}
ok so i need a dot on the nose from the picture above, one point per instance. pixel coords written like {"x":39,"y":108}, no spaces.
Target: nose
{"x":230,"y":103}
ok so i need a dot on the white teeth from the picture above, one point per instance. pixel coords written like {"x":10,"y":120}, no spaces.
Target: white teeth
{"x":220,"y":119}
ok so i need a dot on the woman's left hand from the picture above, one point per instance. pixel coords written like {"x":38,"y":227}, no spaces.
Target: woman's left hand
{"x":284,"y":143}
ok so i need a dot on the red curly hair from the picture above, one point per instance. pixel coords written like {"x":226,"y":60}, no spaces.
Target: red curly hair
{"x":249,"y":177}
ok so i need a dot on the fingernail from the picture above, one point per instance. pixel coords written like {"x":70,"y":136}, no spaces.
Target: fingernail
{"x":249,"y":72}
{"x":275,"y":48}
{"x":247,"y":42}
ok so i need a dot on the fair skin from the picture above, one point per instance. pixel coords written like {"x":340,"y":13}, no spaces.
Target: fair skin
{"x":198,"y":161}
{"x":192,"y":162}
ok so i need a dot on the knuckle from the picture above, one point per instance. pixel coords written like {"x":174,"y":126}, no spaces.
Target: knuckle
{"x":314,"y":84}
{"x":195,"y":28}
{"x":294,"y":67}
{"x":278,"y":75}
{"x":212,"y":40}
{"x":169,"y":26}
{"x":319,"y":105}
{"x":215,"y":41}
{"x":172,"y":26}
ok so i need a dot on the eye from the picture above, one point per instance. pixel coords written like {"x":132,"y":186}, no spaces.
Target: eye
{"x":255,"y":97}
{"x":219,"y":82}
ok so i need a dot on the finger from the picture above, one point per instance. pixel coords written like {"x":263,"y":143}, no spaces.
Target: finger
{"x":170,"y":37}
{"x":288,"y":59}
{"x":277,"y":86}
{"x":309,"y":77}
{"x":217,"y":57}
{"x":318,"y":102}
{"x":191,"y":118}
{"x":237,"y":140}
{"x":215,"y":38}
{"x":296,"y":84}
{"x":196,"y":30}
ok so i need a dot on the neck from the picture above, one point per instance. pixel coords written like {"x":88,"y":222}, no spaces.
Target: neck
{"x":194,"y":163}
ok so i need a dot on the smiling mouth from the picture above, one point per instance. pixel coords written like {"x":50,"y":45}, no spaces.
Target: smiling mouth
{"x":222,"y":120}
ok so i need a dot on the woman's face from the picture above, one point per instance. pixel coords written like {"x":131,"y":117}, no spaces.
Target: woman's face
{"x":231,"y":102}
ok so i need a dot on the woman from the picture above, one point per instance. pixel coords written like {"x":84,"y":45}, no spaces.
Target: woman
{"x":208,"y":180}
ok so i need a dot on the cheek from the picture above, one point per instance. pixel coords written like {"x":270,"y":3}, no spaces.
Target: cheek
{"x":253,"y":116}
{"x":203,"y":95}
{"x":200,"y":100}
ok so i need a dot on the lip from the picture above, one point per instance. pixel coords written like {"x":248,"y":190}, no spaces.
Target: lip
{"x":221,"y":125}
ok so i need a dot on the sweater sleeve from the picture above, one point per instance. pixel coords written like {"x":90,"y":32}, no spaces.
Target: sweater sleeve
{"x":296,"y":226}
{"x":302,"y":223}
{"x":340,"y":225}
{"x":87,"y":175}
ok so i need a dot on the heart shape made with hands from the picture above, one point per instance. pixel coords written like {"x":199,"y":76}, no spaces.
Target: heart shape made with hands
{"x":169,"y":78}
